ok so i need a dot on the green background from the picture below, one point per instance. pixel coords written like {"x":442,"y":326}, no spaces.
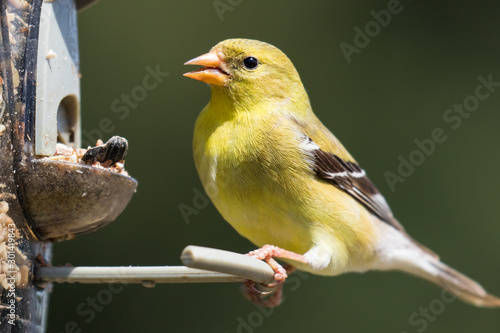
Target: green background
{"x":394,"y":91}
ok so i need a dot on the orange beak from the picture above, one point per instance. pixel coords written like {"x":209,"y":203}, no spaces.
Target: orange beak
{"x":213,"y":70}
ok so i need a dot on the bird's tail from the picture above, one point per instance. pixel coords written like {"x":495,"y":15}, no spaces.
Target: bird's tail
{"x":464,"y":288}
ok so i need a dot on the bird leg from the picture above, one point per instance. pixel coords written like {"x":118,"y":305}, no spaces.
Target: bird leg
{"x":268,"y":253}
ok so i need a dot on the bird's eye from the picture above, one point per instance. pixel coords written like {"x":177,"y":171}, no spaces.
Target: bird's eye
{"x":250,"y":63}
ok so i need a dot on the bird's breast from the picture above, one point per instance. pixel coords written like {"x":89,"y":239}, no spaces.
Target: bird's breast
{"x":255,"y":178}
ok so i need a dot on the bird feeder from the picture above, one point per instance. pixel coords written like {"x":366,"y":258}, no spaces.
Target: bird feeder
{"x":45,"y":194}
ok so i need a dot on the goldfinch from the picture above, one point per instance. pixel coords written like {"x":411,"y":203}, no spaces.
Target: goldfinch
{"x":285,"y":182}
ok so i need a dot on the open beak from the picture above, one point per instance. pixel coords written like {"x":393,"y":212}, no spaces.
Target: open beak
{"x":212,"y":71}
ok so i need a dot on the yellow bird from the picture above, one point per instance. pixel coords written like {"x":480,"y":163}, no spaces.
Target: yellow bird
{"x":280,"y":177}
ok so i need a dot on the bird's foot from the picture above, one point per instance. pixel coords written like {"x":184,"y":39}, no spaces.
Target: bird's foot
{"x":268,"y":253}
{"x":268,"y":299}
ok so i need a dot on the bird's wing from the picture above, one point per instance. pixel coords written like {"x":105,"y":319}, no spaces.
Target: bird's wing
{"x":332,"y":163}
{"x":350,"y":178}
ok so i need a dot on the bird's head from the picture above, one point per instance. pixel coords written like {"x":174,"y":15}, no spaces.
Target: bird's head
{"x":245,"y":68}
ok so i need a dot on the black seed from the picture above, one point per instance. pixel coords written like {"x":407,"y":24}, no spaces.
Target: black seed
{"x":115,"y":150}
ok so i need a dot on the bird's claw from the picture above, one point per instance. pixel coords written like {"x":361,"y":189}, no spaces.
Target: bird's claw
{"x":267,"y":253}
{"x":270,"y":298}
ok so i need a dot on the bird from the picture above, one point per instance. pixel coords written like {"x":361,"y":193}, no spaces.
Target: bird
{"x":287,"y":184}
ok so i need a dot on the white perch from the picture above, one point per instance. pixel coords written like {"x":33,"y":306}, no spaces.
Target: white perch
{"x":205,"y":265}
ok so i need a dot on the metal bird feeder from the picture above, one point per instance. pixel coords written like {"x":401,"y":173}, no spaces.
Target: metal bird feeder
{"x":43,"y":198}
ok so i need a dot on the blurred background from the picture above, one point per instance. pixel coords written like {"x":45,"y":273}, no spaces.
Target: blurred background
{"x":378,"y":99}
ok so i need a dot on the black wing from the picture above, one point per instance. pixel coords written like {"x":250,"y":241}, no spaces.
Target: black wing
{"x":349,"y":177}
